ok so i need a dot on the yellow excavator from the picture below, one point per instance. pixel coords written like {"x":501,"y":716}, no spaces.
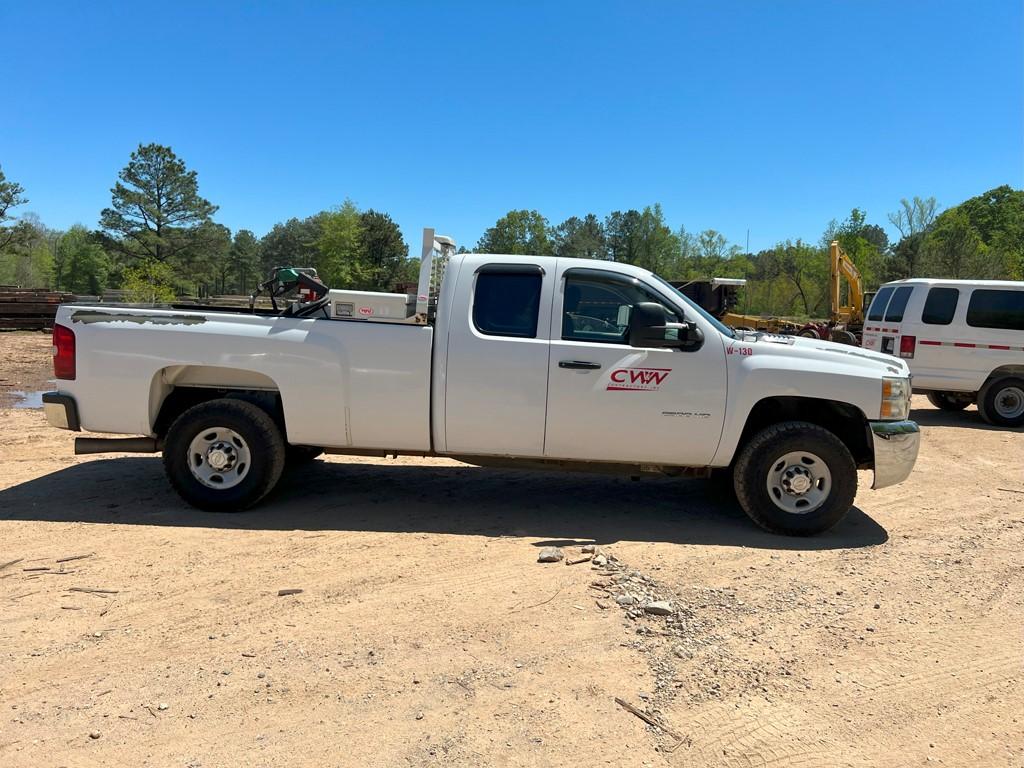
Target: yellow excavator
{"x":845,"y":322}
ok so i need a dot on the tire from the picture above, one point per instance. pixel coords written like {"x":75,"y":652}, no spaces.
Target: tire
{"x":809,"y":333}
{"x":297,"y":455}
{"x":1001,"y":402}
{"x":811,"y":462}
{"x":950,"y":401}
{"x":845,"y":337}
{"x":235,"y":435}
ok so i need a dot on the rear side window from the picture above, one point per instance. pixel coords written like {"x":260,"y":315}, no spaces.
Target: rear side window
{"x":878,"y":305}
{"x":898,"y":305}
{"x":940,"y":306}
{"x":996,"y":309}
{"x":507,"y":303}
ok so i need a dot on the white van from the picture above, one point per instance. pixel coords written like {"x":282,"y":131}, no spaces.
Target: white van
{"x":963,"y":340}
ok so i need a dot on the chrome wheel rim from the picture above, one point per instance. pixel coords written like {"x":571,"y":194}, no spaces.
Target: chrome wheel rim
{"x":799,"y":482}
{"x":1009,"y":402}
{"x":219,"y":458}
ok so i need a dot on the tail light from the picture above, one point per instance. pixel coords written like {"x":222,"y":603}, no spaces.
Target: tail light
{"x":63,"y":352}
{"x":907,"y":345}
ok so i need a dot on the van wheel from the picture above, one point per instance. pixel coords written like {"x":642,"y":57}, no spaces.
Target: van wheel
{"x":1001,"y":402}
{"x":795,"y":478}
{"x":224,"y":455}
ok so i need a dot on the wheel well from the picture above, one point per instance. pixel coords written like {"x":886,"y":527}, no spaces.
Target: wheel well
{"x":1006,"y":370}
{"x":181,"y":399}
{"x":845,"y":421}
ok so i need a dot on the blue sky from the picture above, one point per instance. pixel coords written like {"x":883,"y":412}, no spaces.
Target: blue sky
{"x":769,"y":116}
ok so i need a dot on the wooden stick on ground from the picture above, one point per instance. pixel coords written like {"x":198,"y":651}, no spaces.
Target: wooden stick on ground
{"x":578,"y":560}
{"x":93,"y":591}
{"x":647,"y":718}
{"x":74,"y":557}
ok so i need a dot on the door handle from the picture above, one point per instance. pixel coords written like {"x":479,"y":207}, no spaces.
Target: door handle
{"x":578,"y":365}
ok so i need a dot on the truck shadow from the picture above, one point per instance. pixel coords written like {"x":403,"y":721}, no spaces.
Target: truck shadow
{"x":558,"y":508}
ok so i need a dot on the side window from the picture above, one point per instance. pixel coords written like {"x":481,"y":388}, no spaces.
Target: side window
{"x":507,"y":303}
{"x":598,"y":309}
{"x":898,"y":304}
{"x":996,"y":309}
{"x":940,"y":306}
{"x":877,"y":308}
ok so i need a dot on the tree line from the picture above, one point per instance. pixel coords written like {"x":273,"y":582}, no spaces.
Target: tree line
{"x":158,"y":240}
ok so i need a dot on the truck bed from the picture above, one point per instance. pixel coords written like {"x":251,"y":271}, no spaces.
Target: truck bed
{"x":130,"y":359}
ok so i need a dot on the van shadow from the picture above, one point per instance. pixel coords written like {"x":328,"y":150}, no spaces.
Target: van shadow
{"x":966,"y":419}
{"x":559,"y":508}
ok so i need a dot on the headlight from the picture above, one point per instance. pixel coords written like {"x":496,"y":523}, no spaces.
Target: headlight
{"x":895,"y":398}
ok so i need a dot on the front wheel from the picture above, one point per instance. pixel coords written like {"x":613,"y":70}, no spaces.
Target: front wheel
{"x":1002,"y":402}
{"x":224,"y":455}
{"x":795,"y":478}
{"x":950,"y":401}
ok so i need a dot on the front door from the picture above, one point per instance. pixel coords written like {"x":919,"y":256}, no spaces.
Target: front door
{"x":608,"y":401}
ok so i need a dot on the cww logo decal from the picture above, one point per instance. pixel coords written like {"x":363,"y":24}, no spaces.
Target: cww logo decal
{"x":637,"y":379}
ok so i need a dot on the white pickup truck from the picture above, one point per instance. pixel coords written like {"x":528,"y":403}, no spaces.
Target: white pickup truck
{"x":498,"y":360}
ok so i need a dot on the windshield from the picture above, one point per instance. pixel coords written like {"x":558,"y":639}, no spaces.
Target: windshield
{"x":719,"y":325}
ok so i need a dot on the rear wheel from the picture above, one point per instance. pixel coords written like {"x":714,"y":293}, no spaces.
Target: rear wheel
{"x":224,"y":455}
{"x":950,"y":401}
{"x":795,"y":478}
{"x":1001,"y":402}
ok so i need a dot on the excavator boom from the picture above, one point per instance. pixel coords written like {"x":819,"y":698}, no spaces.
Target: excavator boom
{"x":840,"y":267}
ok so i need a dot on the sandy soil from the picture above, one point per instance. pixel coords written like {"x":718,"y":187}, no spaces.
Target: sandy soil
{"x":428,"y":634}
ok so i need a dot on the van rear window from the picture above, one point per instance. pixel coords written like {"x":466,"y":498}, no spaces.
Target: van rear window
{"x":996,"y":309}
{"x":898,"y":304}
{"x":878,"y":305}
{"x":940,"y":306}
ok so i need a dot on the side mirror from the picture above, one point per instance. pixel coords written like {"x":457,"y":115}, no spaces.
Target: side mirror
{"x":649,"y":327}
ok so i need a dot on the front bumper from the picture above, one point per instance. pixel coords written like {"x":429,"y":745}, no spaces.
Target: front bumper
{"x":896,"y":444}
{"x":61,"y":411}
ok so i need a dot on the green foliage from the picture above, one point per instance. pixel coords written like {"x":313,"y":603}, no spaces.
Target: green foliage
{"x":156,"y":209}
{"x":149,"y":281}
{"x":28,"y":258}
{"x":291,"y":244}
{"x":385,"y":252}
{"x":80,"y":263}
{"x":953,"y":249}
{"x":244,"y":261}
{"x":11,"y":196}
{"x":518,"y":232}
{"x":202,"y":266}
{"x":914,"y":216}
{"x":577,"y":238}
{"x":342,"y":255}
{"x":865,"y":244}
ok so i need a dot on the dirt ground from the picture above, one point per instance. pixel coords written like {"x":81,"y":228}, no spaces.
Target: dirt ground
{"x":426,"y":632}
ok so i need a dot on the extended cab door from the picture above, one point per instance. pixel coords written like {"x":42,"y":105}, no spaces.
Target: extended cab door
{"x":609,"y":401}
{"x":496,"y":367}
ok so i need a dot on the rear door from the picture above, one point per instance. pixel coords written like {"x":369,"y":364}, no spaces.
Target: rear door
{"x":609,"y":401}
{"x":495,"y":387}
{"x":885,"y":315}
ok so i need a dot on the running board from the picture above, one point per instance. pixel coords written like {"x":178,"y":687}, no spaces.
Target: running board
{"x":84,"y":445}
